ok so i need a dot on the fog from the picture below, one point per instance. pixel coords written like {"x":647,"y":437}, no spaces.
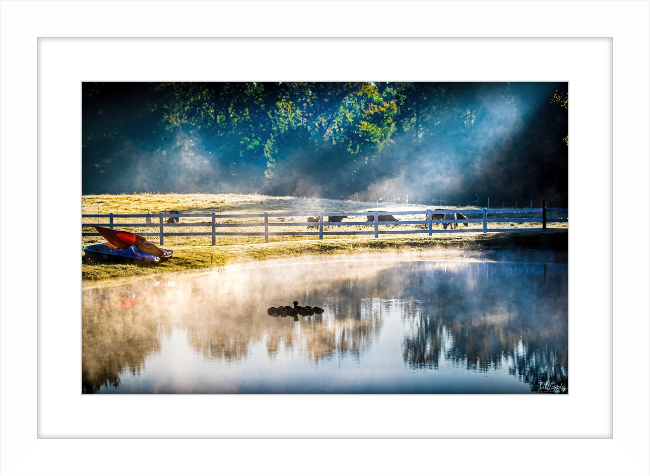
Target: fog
{"x":431,"y":141}
{"x":387,"y":317}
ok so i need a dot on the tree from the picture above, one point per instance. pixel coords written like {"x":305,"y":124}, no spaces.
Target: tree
{"x":327,"y":139}
{"x":562,"y":98}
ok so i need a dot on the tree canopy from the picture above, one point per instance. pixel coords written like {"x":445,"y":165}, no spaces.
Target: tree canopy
{"x":333,"y":140}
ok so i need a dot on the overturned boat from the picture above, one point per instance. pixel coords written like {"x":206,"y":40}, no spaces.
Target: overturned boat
{"x":124,"y":246}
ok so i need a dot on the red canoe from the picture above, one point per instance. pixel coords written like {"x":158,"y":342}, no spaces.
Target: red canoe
{"x":123,"y":239}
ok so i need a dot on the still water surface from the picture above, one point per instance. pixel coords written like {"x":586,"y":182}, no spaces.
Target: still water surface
{"x":485,"y":323}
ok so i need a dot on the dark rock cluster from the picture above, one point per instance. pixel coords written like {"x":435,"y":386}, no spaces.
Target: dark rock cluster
{"x":295,"y":311}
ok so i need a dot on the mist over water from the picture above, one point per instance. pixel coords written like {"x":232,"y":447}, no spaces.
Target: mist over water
{"x":476,"y":323}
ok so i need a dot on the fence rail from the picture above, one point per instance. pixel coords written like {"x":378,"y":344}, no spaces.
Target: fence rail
{"x":157,"y":220}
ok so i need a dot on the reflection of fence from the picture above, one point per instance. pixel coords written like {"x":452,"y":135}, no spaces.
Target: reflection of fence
{"x":158,"y":221}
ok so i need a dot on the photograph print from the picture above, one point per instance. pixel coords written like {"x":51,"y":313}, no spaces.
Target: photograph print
{"x":325,"y":238}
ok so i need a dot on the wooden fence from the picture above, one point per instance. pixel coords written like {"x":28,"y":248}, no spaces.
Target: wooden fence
{"x":158,"y":221}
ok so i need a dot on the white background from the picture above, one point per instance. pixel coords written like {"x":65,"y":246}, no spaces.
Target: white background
{"x":585,"y":413}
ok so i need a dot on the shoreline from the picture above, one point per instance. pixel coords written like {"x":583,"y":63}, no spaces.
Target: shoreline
{"x":198,"y":259}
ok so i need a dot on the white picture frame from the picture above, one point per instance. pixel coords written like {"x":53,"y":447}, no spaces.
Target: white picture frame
{"x":53,"y":46}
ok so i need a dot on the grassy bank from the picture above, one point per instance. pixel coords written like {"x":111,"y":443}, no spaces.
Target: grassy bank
{"x":188,"y":257}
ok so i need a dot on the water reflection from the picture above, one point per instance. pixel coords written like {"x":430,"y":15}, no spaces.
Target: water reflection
{"x":516,"y":320}
{"x":381,"y":322}
{"x":115,"y":338}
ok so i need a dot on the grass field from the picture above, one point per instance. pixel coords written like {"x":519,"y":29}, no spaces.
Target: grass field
{"x":253,"y":203}
{"x":196,"y":253}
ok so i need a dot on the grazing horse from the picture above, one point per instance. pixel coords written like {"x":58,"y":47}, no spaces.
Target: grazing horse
{"x":443,"y":216}
{"x":336,"y":219}
{"x":174,"y":219}
{"x":460,"y":216}
{"x":313,"y":219}
{"x":382,"y":218}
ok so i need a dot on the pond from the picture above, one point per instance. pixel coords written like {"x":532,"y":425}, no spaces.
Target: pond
{"x":466,"y":323}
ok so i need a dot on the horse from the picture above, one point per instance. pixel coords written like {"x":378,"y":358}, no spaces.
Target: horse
{"x":313,"y":219}
{"x":443,"y":216}
{"x":460,"y":216}
{"x":382,"y":218}
{"x":174,"y":219}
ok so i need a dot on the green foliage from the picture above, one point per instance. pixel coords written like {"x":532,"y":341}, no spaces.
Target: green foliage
{"x":274,"y":136}
{"x":562,"y":98}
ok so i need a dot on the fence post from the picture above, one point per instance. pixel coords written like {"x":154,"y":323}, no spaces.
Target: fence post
{"x":161,"y":229}
{"x":531,"y":204}
{"x":213,"y":230}
{"x":544,"y":215}
{"x":266,"y":227}
{"x":488,"y":202}
{"x":376,"y":224}
{"x":430,"y":215}
{"x":110,"y":221}
{"x":320,"y":228}
{"x":484,"y":220}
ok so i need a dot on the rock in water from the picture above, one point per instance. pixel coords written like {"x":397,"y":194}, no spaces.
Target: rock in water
{"x":294,"y":311}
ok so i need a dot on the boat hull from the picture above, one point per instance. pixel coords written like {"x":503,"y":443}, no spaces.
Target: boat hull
{"x":107,"y":253}
{"x":122,"y":240}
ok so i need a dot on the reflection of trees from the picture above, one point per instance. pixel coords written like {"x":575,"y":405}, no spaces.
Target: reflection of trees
{"x":477,"y":317}
{"x":514,"y":320}
{"x":346,"y":328}
{"x":115,"y":337}
{"x":223,"y":318}
{"x":542,"y":369}
{"x":423,"y":346}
